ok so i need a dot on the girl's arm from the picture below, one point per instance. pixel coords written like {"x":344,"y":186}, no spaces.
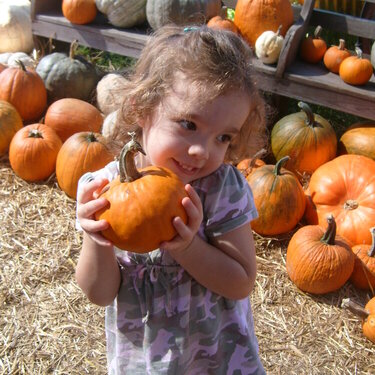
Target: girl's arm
{"x":226,"y":266}
{"x":97,"y":272}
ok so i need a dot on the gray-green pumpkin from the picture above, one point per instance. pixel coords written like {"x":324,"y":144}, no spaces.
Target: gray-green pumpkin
{"x":68,"y":76}
{"x":180,"y":12}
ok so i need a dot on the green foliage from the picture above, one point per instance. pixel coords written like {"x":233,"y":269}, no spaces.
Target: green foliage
{"x":230,"y":14}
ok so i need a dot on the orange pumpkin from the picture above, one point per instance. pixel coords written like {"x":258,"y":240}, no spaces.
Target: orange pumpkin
{"x":306,"y":137}
{"x":313,"y":48}
{"x":363,"y":276}
{"x":356,"y":70}
{"x":358,"y":139}
{"x":142,"y":204}
{"x":10,"y":123}
{"x":24,"y":88}
{"x":279,"y":199}
{"x":79,"y":11}
{"x":82,"y":152}
{"x":317,"y":260}
{"x":367,"y":314}
{"x":247,"y":166}
{"x":33,"y":152}
{"x":345,"y":188}
{"x":335,"y":55}
{"x":68,"y":116}
{"x":218,"y":22}
{"x":253,"y":17}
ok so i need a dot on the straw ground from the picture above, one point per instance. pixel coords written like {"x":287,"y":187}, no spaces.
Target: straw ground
{"x":48,"y":326}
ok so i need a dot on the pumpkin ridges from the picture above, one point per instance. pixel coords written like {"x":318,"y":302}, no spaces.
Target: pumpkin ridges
{"x":10,"y":123}
{"x":79,"y":11}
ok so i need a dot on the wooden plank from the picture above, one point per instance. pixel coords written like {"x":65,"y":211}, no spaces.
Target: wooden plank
{"x":44,"y":6}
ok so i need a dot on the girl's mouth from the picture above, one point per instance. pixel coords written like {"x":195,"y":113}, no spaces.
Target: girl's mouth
{"x":186,"y":169}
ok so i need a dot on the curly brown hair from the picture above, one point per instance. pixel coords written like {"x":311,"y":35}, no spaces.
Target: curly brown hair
{"x":217,"y":61}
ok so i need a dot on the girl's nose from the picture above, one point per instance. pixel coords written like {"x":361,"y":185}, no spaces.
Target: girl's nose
{"x":199,"y":150}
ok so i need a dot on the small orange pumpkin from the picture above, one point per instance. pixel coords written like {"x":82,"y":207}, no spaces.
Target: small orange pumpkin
{"x":335,"y":55}
{"x":363,"y":276}
{"x":79,"y":12}
{"x":10,"y":123}
{"x":356,"y":70}
{"x":33,"y":152}
{"x":247,"y":166}
{"x":279,"y":199}
{"x":24,"y":88}
{"x":317,"y":260}
{"x":313,"y":48}
{"x":82,"y":152}
{"x":142,"y":204}
{"x":367,"y":314}
{"x":222,"y":23}
{"x":69,"y":115}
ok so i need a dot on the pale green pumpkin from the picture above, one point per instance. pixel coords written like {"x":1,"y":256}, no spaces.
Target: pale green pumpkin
{"x":180,"y":12}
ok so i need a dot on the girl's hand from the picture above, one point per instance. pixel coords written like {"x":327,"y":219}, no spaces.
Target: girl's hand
{"x":186,"y":232}
{"x":89,"y":202}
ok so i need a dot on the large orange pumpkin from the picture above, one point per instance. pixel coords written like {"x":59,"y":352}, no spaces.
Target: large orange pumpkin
{"x":359,"y":139}
{"x":79,"y":11}
{"x":345,"y":188}
{"x":142,"y":204}
{"x":69,"y":115}
{"x":10,"y":123}
{"x":279,"y":199}
{"x":253,"y":17}
{"x":82,"y":152}
{"x":306,"y":137}
{"x":33,"y":152}
{"x":24,"y":88}
{"x":317,"y":260}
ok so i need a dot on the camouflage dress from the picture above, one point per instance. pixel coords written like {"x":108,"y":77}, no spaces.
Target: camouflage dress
{"x":165,"y":322}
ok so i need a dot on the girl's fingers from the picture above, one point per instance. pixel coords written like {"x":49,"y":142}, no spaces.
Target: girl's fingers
{"x":193,"y":196}
{"x":86,"y":191}
{"x":88,"y":209}
{"x":92,"y":226}
{"x":100,"y":240}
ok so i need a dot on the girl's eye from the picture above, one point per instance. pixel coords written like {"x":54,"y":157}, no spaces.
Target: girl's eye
{"x":225,"y":138}
{"x":188,"y":125}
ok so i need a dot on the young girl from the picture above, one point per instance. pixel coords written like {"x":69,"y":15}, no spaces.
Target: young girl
{"x":183,"y":308}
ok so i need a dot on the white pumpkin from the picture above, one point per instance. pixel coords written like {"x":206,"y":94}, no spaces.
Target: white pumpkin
{"x":21,"y":56}
{"x":123,"y":13}
{"x":268,"y":46}
{"x":109,"y":124}
{"x":15,"y":26}
{"x":110,"y":92}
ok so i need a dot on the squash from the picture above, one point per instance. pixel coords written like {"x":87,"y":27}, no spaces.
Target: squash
{"x":123,"y":13}
{"x":358,"y":139}
{"x":356,"y":70}
{"x":306,"y":137}
{"x":10,"y":123}
{"x":33,"y":152}
{"x":110,"y":92}
{"x":15,"y":26}
{"x":367,"y":314}
{"x":279,"y":199}
{"x":335,"y":55}
{"x":313,"y":48}
{"x":24,"y":88}
{"x":68,"y":76}
{"x":68,"y":116}
{"x":180,"y":12}
{"x":317,"y":260}
{"x":268,"y":46}
{"x":11,"y":59}
{"x":82,"y":152}
{"x":142,"y":204}
{"x":253,"y":17}
{"x":222,"y":22}
{"x":79,"y":12}
{"x":247,"y":166}
{"x":363,"y":276}
{"x":345,"y":187}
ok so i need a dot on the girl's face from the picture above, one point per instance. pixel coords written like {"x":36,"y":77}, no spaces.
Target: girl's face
{"x":189,"y":138}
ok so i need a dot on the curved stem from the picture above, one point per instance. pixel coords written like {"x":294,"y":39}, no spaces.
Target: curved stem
{"x":355,"y":308}
{"x":279,"y":165}
{"x":371,"y":252}
{"x":35,"y":133}
{"x":127,"y":167}
{"x":330,"y":234}
{"x":309,"y":113}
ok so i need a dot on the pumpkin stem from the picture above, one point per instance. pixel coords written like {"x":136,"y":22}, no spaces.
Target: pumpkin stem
{"x":279,"y":165}
{"x":358,"y":52}
{"x":310,"y":120}
{"x":279,"y":30}
{"x":258,"y":155}
{"x":350,"y":204}
{"x":341,"y":46}
{"x":371,"y":252}
{"x":330,"y":234}
{"x":128,"y":170}
{"x":35,"y":133}
{"x":91,"y":137}
{"x":21,"y":65}
{"x":355,"y":308}
{"x":317,"y":32}
{"x":72,"y":48}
